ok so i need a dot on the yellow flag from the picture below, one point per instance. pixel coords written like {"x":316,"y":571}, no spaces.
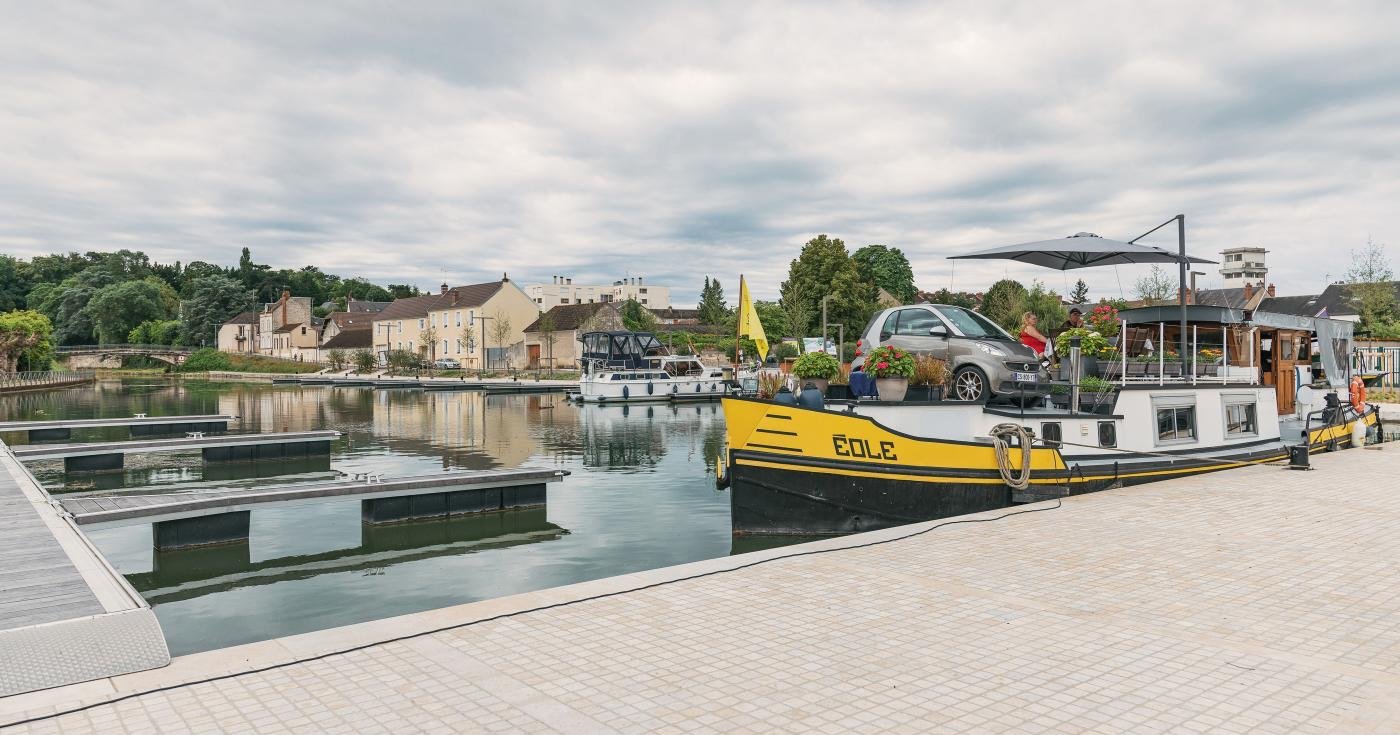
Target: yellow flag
{"x":749,"y":325}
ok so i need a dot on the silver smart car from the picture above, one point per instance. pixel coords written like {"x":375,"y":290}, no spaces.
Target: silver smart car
{"x":985,"y":361}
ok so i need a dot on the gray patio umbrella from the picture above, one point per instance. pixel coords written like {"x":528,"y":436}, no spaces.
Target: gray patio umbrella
{"x":1080,"y":250}
{"x":1085,"y":249}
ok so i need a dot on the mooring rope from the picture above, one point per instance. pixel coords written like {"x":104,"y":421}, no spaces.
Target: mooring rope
{"x":1024,"y":437}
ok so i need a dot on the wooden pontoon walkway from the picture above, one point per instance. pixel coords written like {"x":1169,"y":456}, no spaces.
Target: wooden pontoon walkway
{"x":95,"y":510}
{"x":65,"y":614}
{"x":110,"y":422}
{"x":180,"y":444}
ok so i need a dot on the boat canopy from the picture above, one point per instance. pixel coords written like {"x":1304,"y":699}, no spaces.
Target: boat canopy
{"x":621,"y":350}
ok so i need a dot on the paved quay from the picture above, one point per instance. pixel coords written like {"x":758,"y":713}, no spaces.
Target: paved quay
{"x":1259,"y":600}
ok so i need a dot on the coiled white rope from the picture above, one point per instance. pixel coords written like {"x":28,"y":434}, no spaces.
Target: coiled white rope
{"x":1000,"y":432}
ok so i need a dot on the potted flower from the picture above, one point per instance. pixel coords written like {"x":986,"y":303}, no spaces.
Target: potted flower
{"x":892,"y":368}
{"x":930,"y":375}
{"x":817,"y":368}
{"x":1092,"y":344}
{"x":839,"y":387}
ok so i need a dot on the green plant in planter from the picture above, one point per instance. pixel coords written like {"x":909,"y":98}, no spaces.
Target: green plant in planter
{"x":1091,"y":343}
{"x":816,"y":365}
{"x":1093,"y":384}
{"x":890,"y":362}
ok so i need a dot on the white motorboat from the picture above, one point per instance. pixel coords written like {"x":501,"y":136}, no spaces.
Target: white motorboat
{"x":634,"y":366}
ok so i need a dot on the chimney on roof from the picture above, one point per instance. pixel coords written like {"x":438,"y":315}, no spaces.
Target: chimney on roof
{"x":1248,"y":291}
{"x":444,"y":287}
{"x":1271,"y":291}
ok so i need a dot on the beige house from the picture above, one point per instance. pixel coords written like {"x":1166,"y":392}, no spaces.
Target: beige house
{"x":481,"y":325}
{"x":568,"y":324}
{"x":239,"y":334}
{"x":296,"y":342}
{"x":285,"y":311}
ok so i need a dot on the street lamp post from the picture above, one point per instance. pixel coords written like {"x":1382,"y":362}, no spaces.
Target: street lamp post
{"x":825,"y":299}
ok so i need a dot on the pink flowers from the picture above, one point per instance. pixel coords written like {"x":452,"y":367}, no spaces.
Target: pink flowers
{"x":883,"y":365}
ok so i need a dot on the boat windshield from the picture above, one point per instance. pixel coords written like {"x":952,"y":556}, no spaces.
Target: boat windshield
{"x":972,"y":324}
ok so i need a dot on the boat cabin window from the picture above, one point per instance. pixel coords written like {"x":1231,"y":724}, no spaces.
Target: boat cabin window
{"x":1050,"y":432}
{"x":1176,"y":419}
{"x":1241,"y":418}
{"x":1108,"y":434}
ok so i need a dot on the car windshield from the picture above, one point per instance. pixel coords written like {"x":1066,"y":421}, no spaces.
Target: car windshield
{"x":972,"y":324}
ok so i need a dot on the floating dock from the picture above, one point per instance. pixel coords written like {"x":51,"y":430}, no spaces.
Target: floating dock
{"x":494,"y":488}
{"x":222,"y":448}
{"x":66,"y":615}
{"x":139,"y":425}
{"x":1251,"y":600}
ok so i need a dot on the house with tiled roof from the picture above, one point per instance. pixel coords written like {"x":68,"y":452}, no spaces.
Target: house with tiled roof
{"x":479,"y":325}
{"x":552,"y":340}
{"x":239,"y":334}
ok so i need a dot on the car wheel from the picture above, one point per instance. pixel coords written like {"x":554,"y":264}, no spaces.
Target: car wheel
{"x":969,"y":384}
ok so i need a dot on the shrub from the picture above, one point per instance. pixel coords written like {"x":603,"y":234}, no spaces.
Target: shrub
{"x":890,"y":362}
{"x":784,"y":350}
{"x":364,"y":360}
{"x":816,"y":365}
{"x":204,"y":360}
{"x":929,"y":370}
{"x":843,"y":375}
{"x":769,"y":383}
{"x":337,"y":359}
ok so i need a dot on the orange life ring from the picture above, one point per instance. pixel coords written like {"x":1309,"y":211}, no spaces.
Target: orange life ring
{"x":1358,"y":395}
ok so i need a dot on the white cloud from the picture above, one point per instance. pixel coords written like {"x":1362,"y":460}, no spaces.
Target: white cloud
{"x":441,"y":141}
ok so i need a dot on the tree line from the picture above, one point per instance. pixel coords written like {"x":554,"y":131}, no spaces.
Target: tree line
{"x":124,"y":296}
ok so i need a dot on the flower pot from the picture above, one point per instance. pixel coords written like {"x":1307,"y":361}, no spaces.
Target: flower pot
{"x":838,"y":392}
{"x":892,"y":389}
{"x":820,"y":384}
{"x":924,"y":393}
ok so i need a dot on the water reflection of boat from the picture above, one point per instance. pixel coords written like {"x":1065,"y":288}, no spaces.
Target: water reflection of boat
{"x":191,"y":573}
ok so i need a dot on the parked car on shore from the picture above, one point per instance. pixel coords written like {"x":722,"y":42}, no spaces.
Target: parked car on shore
{"x":447,"y":363}
{"x":982,"y":358}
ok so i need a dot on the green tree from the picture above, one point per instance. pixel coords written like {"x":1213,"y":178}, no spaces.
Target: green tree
{"x":1155,"y":287}
{"x":364,"y":360}
{"x":400,"y":291}
{"x":116,"y":309}
{"x":545,"y":328}
{"x":155,"y":332}
{"x":797,"y":311}
{"x":887,"y":268}
{"x":24,"y":334}
{"x":1004,"y":303}
{"x":1080,"y":293}
{"x":636,"y":317}
{"x":501,"y":333}
{"x":1373,"y":292}
{"x":712,"y":307}
{"x":1046,"y":305}
{"x":336,"y":358}
{"x":953,"y":298}
{"x":824,"y":268}
{"x":65,"y":304}
{"x":13,"y":284}
{"x":773,"y":319}
{"x":213,"y":300}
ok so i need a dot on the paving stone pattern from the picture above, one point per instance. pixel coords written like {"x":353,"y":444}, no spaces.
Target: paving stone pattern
{"x":1254,"y":601}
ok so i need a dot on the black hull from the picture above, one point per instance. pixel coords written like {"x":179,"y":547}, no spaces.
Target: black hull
{"x":794,"y":501}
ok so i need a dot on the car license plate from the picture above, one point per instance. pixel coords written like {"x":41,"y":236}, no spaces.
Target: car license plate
{"x":1023,"y":377}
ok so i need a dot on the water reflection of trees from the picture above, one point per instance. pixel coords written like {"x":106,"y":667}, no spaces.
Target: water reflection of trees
{"x":628,"y":437}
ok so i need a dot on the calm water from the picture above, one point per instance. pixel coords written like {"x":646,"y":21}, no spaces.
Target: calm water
{"x":641,"y":495}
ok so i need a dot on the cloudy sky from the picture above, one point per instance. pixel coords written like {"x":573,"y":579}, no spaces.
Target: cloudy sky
{"x":428,"y":141}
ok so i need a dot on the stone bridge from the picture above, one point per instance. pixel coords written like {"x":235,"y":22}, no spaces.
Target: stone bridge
{"x":110,"y":356}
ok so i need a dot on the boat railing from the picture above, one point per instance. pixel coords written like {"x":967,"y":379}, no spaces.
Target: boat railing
{"x":1164,"y":370}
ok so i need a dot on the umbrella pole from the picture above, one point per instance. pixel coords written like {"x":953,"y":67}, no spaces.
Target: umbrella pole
{"x":1181,"y":289}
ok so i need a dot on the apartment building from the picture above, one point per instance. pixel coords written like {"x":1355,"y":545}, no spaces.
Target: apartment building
{"x":561,"y":290}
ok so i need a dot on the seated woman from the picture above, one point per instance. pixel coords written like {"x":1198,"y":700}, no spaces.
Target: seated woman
{"x":1030,"y":336}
